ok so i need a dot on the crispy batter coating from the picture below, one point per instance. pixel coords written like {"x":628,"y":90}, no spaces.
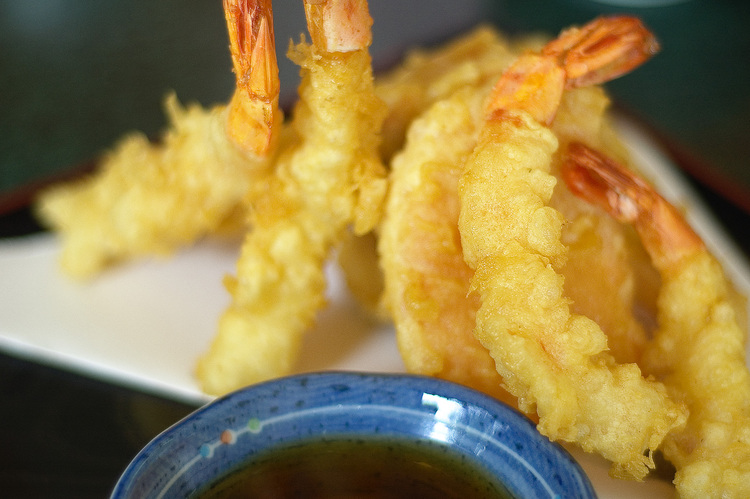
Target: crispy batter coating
{"x":554,"y":361}
{"x":151,"y":199}
{"x":419,"y":246}
{"x":427,"y":280}
{"x":425,"y":275}
{"x":331,"y":178}
{"x":424,"y":77}
{"x":699,"y":353}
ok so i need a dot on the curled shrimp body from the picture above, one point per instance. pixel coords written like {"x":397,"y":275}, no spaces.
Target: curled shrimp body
{"x":330,"y":178}
{"x":426,"y":279}
{"x":698,"y":348}
{"x":153,"y":198}
{"x":553,"y":360}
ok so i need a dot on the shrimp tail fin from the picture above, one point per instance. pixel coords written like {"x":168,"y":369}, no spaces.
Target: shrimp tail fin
{"x":628,"y":198}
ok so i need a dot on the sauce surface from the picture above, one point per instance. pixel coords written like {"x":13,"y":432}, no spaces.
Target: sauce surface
{"x":372,"y":468}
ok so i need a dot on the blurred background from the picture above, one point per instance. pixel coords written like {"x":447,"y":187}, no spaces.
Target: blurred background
{"x":77,"y":74}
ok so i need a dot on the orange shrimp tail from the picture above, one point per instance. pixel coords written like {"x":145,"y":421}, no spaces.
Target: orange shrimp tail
{"x":252,"y":111}
{"x":602,"y":50}
{"x":604,"y":182}
{"x":599,"y":180}
{"x":534,"y":84}
{"x":339,"y":25}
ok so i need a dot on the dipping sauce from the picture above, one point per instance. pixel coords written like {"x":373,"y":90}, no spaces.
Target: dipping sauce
{"x":371,"y":468}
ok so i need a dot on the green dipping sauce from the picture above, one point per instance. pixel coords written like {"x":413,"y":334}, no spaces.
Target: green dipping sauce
{"x":371,"y":468}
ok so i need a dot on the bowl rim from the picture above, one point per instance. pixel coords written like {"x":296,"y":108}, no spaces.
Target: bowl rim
{"x":332,"y":390}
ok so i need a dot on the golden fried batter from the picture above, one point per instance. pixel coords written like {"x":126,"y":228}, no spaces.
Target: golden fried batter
{"x":150,"y":199}
{"x":554,"y":361}
{"x":423,"y":78}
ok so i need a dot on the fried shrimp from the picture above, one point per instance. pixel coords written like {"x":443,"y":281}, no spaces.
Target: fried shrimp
{"x":554,"y":361}
{"x":426,"y":279}
{"x":329,"y":179}
{"x":698,"y":349}
{"x":150,"y":199}
{"x":479,"y":197}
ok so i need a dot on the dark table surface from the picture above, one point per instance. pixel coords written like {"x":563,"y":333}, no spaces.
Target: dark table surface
{"x":75,"y":75}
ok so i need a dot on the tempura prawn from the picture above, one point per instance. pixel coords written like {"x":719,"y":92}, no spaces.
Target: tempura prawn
{"x":426,"y":278}
{"x":152,"y":198}
{"x":554,"y":361}
{"x":698,"y":350}
{"x":329,"y":179}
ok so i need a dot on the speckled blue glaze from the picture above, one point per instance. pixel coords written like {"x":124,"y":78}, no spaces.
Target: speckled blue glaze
{"x":226,"y":432}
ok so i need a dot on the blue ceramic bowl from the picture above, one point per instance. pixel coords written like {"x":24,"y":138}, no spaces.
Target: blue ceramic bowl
{"x":227,"y":432}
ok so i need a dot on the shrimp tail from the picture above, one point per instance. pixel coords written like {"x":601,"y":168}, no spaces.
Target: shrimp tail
{"x":339,"y":25}
{"x":253,"y":117}
{"x":602,"y":50}
{"x":628,"y":198}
